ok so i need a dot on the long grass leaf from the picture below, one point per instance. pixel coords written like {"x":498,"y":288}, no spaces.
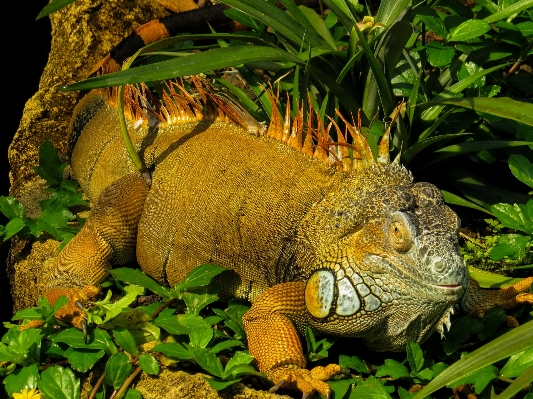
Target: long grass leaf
{"x":472,"y":146}
{"x":342,"y":11}
{"x":190,"y":65}
{"x":281,"y":22}
{"x":514,"y":341}
{"x":504,"y":107}
{"x":520,"y":382}
{"x":416,"y":148}
{"x":487,"y":279}
{"x":431,"y":113}
{"x":453,"y":199}
{"x":389,"y":10}
{"x":52,"y":7}
{"x":508,"y":11}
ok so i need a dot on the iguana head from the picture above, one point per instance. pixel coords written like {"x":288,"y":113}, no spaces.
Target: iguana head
{"x":387,"y":267}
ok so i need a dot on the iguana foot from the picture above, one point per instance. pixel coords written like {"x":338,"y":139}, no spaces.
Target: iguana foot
{"x":306,"y":381}
{"x":478,"y":300}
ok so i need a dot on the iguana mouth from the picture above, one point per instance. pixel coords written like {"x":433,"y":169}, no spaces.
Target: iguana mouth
{"x":451,"y":289}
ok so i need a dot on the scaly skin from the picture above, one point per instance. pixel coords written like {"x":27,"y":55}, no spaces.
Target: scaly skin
{"x":363,"y":253}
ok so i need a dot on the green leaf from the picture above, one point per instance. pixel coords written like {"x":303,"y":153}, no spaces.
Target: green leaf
{"x":487,"y":279}
{"x":117,"y":369}
{"x":508,"y":11}
{"x":340,"y":388}
{"x":469,"y":30}
{"x":191,"y":65}
{"x":59,"y":383}
{"x":11,"y":208}
{"x":522,"y":381}
{"x":199,"y":276}
{"x":171,"y":324}
{"x":504,"y":107}
{"x":353,"y":363}
{"x":28,"y":314}
{"x":439,"y":54}
{"x":230,"y":343}
{"x":13,"y":227}
{"x":173,"y":350}
{"x":19,"y":379}
{"x":135,"y":276}
{"x":52,"y":7}
{"x":83,"y":360}
{"x":21,"y":347}
{"x":480,"y":378}
{"x":148,"y":364}
{"x":517,"y":364}
{"x":97,"y":339}
{"x":50,"y":166}
{"x":208,"y":361}
{"x":514,"y":341}
{"x":415,"y":356}
{"x":517,"y":216}
{"x":453,"y":199}
{"x":521,"y":168}
{"x":219,"y":385}
{"x":371,"y":388}
{"x":393,"y":369}
{"x":132,"y":393}
{"x":432,"y":20}
{"x":241,"y":358}
{"x":510,"y":245}
{"x":125,"y":339}
{"x":114,"y":309}
{"x":200,"y":298}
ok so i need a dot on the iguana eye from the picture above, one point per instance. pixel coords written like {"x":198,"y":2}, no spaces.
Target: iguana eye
{"x":400,"y":232}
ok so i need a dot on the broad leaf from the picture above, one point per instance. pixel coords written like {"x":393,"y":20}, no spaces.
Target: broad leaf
{"x":59,"y":383}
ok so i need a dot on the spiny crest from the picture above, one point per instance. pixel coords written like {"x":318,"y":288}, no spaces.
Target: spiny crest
{"x":313,"y":138}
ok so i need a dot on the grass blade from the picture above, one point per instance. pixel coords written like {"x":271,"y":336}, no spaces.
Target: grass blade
{"x":514,"y":341}
{"x":52,"y":7}
{"x":508,"y":11}
{"x":453,"y":199}
{"x":190,"y":65}
{"x":505,"y":107}
{"x":431,"y":113}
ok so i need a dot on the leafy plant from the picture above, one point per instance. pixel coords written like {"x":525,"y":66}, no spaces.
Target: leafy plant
{"x":56,"y":217}
{"x":194,"y":336}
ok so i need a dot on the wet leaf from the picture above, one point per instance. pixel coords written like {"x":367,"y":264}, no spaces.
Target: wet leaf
{"x":117,"y":369}
{"x":59,"y":383}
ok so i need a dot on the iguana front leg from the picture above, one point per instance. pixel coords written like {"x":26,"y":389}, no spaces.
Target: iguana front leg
{"x":477,"y":301}
{"x":108,"y":238}
{"x":275,"y":344}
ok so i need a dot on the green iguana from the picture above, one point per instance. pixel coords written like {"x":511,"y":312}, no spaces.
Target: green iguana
{"x":345,"y":244}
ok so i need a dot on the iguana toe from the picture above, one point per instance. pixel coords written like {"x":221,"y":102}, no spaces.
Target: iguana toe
{"x":306,"y":381}
{"x":478,"y":301}
{"x":73,"y":312}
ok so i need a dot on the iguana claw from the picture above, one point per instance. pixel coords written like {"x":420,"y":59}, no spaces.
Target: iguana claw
{"x":478,"y":301}
{"x":306,"y":381}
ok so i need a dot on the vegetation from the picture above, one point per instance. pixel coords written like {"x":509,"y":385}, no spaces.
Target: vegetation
{"x":455,"y":82}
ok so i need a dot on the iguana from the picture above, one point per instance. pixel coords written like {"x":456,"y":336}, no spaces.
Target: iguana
{"x":345,"y":244}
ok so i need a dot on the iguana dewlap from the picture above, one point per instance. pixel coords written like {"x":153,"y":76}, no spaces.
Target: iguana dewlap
{"x":350,"y":247}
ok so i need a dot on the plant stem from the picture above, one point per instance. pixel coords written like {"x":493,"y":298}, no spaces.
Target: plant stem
{"x":127,"y":140}
{"x":127,"y":383}
{"x":97,"y":385}
{"x":163,"y":307}
{"x":54,"y":364}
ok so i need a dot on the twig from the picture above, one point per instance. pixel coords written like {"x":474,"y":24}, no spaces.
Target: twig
{"x":55,"y":364}
{"x":163,"y":307}
{"x":472,"y":240}
{"x":520,"y":60}
{"x":97,"y":385}
{"x":127,"y":383}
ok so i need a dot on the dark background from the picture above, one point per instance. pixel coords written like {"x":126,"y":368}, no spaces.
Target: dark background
{"x":25,"y":48}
